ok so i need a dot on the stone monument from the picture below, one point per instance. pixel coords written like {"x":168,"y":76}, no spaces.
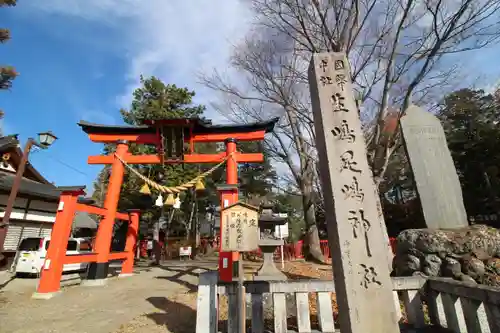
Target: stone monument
{"x":356,"y":238}
{"x":268,"y":244}
{"x":434,"y":172}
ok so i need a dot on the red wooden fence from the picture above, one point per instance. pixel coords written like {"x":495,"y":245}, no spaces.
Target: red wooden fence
{"x":290,"y":251}
{"x":296,"y":251}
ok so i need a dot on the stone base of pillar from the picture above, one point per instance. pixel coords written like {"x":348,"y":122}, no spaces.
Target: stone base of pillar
{"x":94,"y":283}
{"x":97,"y":271}
{"x":124,"y":275}
{"x":45,"y":296}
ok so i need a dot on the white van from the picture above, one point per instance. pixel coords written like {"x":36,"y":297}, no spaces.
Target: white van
{"x":32,"y":251}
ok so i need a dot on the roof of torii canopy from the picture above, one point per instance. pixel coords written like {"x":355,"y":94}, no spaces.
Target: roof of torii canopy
{"x":200,"y":126}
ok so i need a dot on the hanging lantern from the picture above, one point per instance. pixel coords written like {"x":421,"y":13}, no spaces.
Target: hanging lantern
{"x":145,"y":189}
{"x":170,"y":201}
{"x":159,"y":201}
{"x":199,"y":185}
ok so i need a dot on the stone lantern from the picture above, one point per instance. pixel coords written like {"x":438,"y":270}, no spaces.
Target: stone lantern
{"x":268,"y":244}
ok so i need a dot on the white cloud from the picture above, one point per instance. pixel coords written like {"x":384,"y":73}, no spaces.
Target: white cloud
{"x":97,"y":117}
{"x":172,"y":39}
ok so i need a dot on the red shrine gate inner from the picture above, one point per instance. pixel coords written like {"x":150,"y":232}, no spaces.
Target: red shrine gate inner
{"x":175,"y":141}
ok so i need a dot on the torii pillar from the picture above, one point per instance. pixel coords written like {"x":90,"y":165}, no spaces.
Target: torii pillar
{"x":228,"y":261}
{"x":98,"y":271}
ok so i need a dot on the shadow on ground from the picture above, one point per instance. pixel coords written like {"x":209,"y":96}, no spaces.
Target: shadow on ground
{"x":6,"y":282}
{"x":181,"y":272}
{"x":176,"y":317}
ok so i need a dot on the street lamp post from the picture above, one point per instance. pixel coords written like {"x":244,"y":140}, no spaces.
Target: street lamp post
{"x":45,"y":139}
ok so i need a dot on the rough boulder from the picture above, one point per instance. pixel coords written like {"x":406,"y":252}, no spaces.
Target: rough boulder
{"x":469,"y":254}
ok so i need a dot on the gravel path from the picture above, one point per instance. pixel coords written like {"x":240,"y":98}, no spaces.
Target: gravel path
{"x":106,"y":309}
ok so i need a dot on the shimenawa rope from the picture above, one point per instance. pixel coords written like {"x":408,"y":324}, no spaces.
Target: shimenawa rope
{"x":173,"y":189}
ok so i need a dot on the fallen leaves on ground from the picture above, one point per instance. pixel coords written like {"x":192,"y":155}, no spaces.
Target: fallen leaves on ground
{"x":304,"y":270}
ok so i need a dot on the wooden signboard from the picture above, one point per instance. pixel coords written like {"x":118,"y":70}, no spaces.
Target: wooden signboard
{"x":240,"y":228}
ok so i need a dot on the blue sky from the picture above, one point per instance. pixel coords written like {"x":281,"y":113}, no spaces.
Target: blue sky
{"x":82,"y":59}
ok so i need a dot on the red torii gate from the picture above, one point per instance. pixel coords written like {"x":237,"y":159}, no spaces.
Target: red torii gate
{"x":51,"y":272}
{"x":175,"y":141}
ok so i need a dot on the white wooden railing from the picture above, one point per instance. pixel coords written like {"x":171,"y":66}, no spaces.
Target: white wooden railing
{"x":461,"y":307}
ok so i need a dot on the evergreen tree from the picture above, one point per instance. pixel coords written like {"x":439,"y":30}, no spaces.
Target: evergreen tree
{"x":155,"y":100}
{"x":256,"y":179}
{"x":7,"y":73}
{"x":471,"y":122}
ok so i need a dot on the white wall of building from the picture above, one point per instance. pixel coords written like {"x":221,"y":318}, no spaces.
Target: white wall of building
{"x":29,"y":218}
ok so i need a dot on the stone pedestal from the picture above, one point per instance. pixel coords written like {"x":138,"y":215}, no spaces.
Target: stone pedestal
{"x":268,"y":271}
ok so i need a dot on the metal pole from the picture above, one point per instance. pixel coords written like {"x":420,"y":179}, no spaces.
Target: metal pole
{"x":13,"y":192}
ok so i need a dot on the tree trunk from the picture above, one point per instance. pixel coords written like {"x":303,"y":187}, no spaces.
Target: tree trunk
{"x":314,"y":252}
{"x":312,"y":236}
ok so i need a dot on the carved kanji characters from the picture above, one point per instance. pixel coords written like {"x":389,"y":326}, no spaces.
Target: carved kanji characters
{"x":338,"y":103}
{"x":357,"y":218}
{"x":360,"y":224}
{"x":325,"y":80}
{"x":347,"y":162}
{"x":344,"y":132}
{"x":339,"y":64}
{"x":324,"y":64}
{"x":369,"y":276}
{"x":347,"y":252}
{"x":341,"y":80}
{"x":353,"y":190}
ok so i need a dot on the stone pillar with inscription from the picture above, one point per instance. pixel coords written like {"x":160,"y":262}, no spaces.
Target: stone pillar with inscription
{"x":436,"y":178}
{"x":356,"y":238}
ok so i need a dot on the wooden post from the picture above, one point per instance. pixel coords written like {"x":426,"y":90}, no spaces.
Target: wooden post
{"x":241,"y":234}
{"x":50,"y":280}
{"x":356,"y":239}
{"x":241,"y":297}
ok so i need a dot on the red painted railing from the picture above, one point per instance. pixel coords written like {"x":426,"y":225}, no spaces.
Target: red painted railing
{"x":296,"y":251}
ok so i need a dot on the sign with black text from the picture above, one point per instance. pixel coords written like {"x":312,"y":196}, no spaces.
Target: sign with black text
{"x":240,"y":228}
